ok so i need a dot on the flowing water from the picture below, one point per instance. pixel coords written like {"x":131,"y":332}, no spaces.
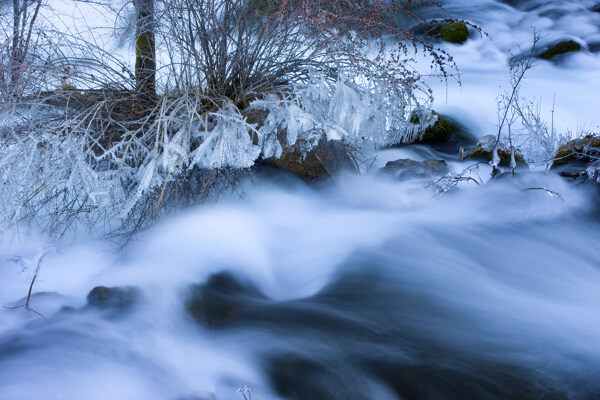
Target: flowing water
{"x":568,"y":85}
{"x":362,"y":288}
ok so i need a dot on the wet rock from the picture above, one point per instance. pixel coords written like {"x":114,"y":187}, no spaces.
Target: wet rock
{"x":461,"y":380}
{"x":430,"y":29}
{"x":326,"y":159}
{"x":584,"y":149}
{"x":405,"y":168}
{"x":296,"y":377}
{"x":485,"y":148}
{"x":438,"y":132}
{"x":341,"y":343}
{"x":67,"y":310}
{"x":456,"y":32}
{"x":222,"y":301}
{"x":305,"y":160}
{"x":225,"y":302}
{"x":112,"y":297}
{"x":594,"y":47}
{"x":566,"y":46}
{"x":445,"y":134}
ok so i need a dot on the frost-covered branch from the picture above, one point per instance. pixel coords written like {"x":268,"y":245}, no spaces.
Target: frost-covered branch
{"x":237,"y":81}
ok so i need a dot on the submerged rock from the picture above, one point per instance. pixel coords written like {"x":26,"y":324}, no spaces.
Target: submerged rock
{"x":343,"y":343}
{"x":566,"y":46}
{"x":456,"y":32}
{"x":293,"y":376}
{"x":405,"y":168}
{"x":594,"y":47}
{"x":221,"y":301}
{"x":297,"y":377}
{"x":485,"y":148}
{"x":112,"y":297}
{"x":326,"y":159}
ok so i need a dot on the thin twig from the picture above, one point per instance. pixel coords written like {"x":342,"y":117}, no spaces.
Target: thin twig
{"x":551,"y":193}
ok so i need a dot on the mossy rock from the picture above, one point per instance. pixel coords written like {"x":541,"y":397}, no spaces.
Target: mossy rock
{"x":445,"y":135}
{"x":326,"y":159}
{"x":563,"y":47}
{"x":112,"y":297}
{"x":484,"y":149}
{"x":438,"y":132}
{"x":584,"y":149}
{"x":323,"y":160}
{"x":455,"y":32}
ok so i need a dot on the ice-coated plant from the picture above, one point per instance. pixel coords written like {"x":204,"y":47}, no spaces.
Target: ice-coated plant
{"x":236,"y":81}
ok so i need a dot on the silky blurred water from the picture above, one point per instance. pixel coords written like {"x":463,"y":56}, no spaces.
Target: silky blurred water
{"x":353,"y":275}
{"x":569,"y":85}
{"x":362,"y":288}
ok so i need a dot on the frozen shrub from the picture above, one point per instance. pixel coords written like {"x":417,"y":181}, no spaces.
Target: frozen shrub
{"x":300,"y":70}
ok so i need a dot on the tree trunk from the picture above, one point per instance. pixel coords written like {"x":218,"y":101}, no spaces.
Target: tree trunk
{"x":16,"y":45}
{"x":145,"y":49}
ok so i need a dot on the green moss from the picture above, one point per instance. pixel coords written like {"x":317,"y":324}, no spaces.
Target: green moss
{"x":583,"y":149}
{"x":324,"y":160}
{"x":482,"y":154}
{"x":566,"y":46}
{"x":484,"y":151}
{"x":456,"y":32}
{"x":145,"y":64}
{"x":143,"y":50}
{"x":438,"y":132}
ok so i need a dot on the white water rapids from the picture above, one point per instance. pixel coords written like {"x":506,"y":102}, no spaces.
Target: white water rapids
{"x":362,"y":288}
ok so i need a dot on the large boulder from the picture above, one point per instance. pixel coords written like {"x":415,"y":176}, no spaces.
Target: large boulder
{"x":484,"y":150}
{"x":409,"y":169}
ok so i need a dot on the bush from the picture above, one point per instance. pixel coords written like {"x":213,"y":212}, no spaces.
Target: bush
{"x":236,"y":81}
